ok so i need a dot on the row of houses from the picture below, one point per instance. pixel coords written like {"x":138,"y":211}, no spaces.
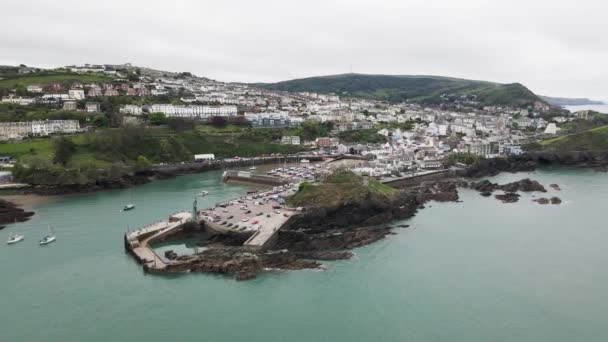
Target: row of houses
{"x":19,"y":130}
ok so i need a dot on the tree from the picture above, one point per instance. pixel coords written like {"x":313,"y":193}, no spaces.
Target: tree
{"x":64,"y":149}
{"x":218,"y":121}
{"x":157,"y":119}
{"x":20,"y":90}
{"x":100,"y":121}
{"x":180,"y":124}
{"x":142,"y":163}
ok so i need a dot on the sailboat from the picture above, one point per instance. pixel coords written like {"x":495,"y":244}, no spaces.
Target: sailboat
{"x":14,"y":239}
{"x":253,"y":165}
{"x":49,"y":238}
{"x":130,"y":205}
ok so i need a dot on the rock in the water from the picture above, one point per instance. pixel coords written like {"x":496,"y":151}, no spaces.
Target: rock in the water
{"x":542,"y":200}
{"x":555,"y":200}
{"x":555,"y":186}
{"x":485,"y":187}
{"x":509,"y":197}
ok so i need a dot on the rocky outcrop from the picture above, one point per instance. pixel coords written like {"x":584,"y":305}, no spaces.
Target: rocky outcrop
{"x":509,"y":197}
{"x":555,"y":200}
{"x":525,"y":185}
{"x":555,"y":187}
{"x":10,"y":213}
{"x":552,"y":200}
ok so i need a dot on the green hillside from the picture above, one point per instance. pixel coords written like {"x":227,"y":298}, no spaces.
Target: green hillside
{"x":46,"y":77}
{"x":423,"y":89}
{"x":591,"y":140}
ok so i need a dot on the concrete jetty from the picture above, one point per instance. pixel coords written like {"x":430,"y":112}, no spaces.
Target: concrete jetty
{"x":138,"y":242}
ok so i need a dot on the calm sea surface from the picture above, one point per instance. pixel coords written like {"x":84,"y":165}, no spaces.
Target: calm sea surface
{"x":598,"y":108}
{"x":473,"y":271}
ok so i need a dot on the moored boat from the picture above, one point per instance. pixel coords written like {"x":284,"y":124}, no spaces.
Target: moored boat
{"x":14,"y":239}
{"x":49,"y":238}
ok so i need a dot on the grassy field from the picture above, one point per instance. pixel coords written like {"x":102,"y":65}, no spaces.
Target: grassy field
{"x":41,"y":147}
{"x":60,"y":78}
{"x":338,"y":189}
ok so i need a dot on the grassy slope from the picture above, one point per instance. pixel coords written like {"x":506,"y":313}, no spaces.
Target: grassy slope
{"x":55,"y":77}
{"x":416,"y":88}
{"x":339,"y":189}
{"x":224,"y":142}
{"x":593,"y":139}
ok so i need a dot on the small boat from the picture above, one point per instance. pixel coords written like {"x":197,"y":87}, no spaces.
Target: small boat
{"x":253,"y":168}
{"x":129,"y":206}
{"x":203,"y":193}
{"x":14,"y":239}
{"x":252,"y":191}
{"x":304,"y":161}
{"x":49,"y":238}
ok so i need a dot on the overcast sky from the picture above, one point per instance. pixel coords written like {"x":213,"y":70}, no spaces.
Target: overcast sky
{"x":557,"y":48}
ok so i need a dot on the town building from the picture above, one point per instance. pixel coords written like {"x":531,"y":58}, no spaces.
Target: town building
{"x":269,"y":120}
{"x":204,"y":157}
{"x":290,"y":140}
{"x":48,"y":127}
{"x":70,"y":105}
{"x":92,"y":107}
{"x":193,"y":112}
{"x":76,"y":94}
{"x":131,"y":109}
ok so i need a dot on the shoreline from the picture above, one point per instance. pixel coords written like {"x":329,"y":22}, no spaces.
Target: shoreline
{"x":28,"y":200}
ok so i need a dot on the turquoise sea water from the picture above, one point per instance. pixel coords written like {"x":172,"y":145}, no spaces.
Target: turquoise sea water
{"x":473,"y":271}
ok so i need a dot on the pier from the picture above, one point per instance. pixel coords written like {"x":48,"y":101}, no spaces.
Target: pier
{"x":138,"y":241}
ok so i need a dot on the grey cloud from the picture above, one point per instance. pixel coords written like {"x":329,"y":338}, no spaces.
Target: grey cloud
{"x":553,"y":47}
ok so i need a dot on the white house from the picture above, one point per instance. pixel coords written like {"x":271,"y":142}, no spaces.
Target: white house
{"x":204,"y":157}
{"x":551,"y":129}
{"x":76,"y":94}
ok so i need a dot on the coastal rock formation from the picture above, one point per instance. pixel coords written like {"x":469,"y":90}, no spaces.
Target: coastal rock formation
{"x":555,"y":187}
{"x":525,"y":185}
{"x":555,"y":200}
{"x":509,"y":197}
{"x":552,"y":200}
{"x":10,"y":213}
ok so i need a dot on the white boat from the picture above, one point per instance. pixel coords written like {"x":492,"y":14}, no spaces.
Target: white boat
{"x":49,"y":238}
{"x":14,"y":239}
{"x":129,"y":206}
{"x":253,"y":168}
{"x":203,"y":193}
{"x":304,"y":161}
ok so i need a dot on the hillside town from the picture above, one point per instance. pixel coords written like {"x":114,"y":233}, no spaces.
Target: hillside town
{"x":413,"y":136}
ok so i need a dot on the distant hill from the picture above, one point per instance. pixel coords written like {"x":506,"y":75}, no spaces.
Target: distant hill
{"x":422,"y":89}
{"x":564,"y":101}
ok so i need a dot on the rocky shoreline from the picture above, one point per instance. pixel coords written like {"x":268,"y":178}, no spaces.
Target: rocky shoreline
{"x":11,"y":213}
{"x":322,"y":234}
{"x":318,"y":234}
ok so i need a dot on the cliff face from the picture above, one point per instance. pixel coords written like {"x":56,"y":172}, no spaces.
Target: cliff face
{"x":531,"y":160}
